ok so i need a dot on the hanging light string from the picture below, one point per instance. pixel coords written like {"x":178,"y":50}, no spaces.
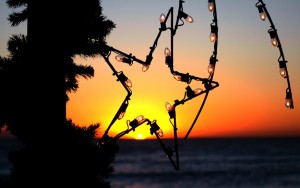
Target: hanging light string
{"x":169,"y":55}
{"x":189,"y":94}
{"x":129,"y":59}
{"x":127,"y":85}
{"x":208,"y":83}
{"x":264,"y":14}
{"x":154,"y":129}
{"x":126,"y":58}
{"x":214,"y":36}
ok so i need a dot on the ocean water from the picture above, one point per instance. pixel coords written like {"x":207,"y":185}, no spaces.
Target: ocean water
{"x":203,"y":163}
{"x":6,"y":144}
{"x":209,"y":163}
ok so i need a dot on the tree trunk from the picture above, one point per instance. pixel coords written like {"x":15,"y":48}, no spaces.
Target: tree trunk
{"x":44,"y":103}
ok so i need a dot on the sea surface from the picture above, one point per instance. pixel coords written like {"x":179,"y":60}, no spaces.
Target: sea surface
{"x":203,"y":163}
{"x":6,"y":144}
{"x":206,"y":163}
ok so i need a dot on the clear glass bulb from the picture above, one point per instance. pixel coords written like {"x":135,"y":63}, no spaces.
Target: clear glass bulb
{"x":262,"y":13}
{"x":198,"y":91}
{"x":140,"y":119}
{"x":121,"y":115}
{"x":162,"y":18}
{"x":167,"y":52}
{"x":177,"y":77}
{"x":123,"y":59}
{"x":145,"y":68}
{"x":211,"y":6}
{"x":169,"y":107}
{"x":119,"y":58}
{"x":282,"y":72}
{"x":263,"y":16}
{"x":128,"y":83}
{"x":160,"y":133}
{"x":189,"y":19}
{"x":211,"y":68}
{"x":288,"y":99}
{"x":274,"y":41}
{"x":288,"y":102}
{"x":212,"y":37}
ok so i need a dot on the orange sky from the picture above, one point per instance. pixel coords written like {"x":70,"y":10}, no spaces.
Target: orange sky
{"x":251,"y":95}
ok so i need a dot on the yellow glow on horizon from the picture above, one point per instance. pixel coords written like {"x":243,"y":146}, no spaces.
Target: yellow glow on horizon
{"x":140,"y":137}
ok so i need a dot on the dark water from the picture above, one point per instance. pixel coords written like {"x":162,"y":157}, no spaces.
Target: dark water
{"x":6,"y":144}
{"x":204,"y":163}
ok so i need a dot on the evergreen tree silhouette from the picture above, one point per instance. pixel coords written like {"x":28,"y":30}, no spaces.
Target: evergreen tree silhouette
{"x":37,"y":76}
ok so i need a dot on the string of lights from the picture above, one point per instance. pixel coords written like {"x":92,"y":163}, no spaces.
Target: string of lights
{"x":154,"y":129}
{"x":264,"y":15}
{"x":214,"y":35}
{"x":208,"y":83}
{"x":127,"y":84}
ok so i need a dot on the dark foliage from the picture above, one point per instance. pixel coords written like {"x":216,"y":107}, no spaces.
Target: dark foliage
{"x":56,"y":153}
{"x":75,"y":161}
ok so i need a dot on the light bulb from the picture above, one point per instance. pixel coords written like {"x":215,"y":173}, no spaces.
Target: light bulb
{"x":169,"y":107}
{"x":211,"y":6}
{"x":274,"y":37}
{"x":183,"y":78}
{"x":168,"y":60}
{"x":282,"y":69}
{"x":212,"y":37}
{"x":288,"y":102}
{"x":140,"y":119}
{"x":167,"y":52}
{"x":171,"y":110}
{"x":123,"y":110}
{"x":213,"y":33}
{"x":263,"y":16}
{"x":177,"y":77}
{"x":274,"y":41}
{"x":123,"y":59}
{"x":137,"y":121}
{"x":211,"y":68}
{"x":288,"y":99}
{"x":282,"y":72}
{"x":121,"y":115}
{"x":128,"y":83}
{"x":189,"y":19}
{"x":145,"y":68}
{"x":160,"y":133}
{"x":162,"y":18}
{"x":155,"y":128}
{"x":119,"y":58}
{"x":198,"y":91}
{"x":262,"y":13}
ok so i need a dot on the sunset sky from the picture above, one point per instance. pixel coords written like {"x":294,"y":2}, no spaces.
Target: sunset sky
{"x":250,"y":100}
